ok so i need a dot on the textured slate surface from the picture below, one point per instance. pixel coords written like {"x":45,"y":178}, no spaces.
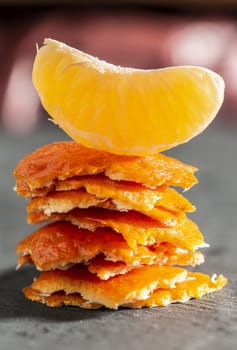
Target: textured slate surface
{"x":209,"y":323}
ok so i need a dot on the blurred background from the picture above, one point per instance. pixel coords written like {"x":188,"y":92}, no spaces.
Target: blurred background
{"x":142,"y":34}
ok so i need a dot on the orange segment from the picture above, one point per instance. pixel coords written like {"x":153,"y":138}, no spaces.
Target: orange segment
{"x":134,"y":285}
{"x":124,"y":110}
{"x":62,"y":160}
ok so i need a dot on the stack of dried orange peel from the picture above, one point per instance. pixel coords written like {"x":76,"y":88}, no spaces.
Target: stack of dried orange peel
{"x":117,"y":232}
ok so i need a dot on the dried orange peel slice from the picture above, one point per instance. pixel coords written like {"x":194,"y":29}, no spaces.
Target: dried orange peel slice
{"x":127,"y":193}
{"x":157,"y":205}
{"x":67,"y":159}
{"x":134,"y":285}
{"x":135,"y":227}
{"x":147,"y":286}
{"x":59,"y":245}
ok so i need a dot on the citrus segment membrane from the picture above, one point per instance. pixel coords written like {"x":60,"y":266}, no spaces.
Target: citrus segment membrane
{"x":152,"y":110}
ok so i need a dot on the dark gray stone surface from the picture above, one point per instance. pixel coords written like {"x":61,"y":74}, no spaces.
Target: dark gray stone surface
{"x":209,"y":323}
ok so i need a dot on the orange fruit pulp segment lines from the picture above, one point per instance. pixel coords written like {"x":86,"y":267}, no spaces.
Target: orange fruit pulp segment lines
{"x":124,"y":110}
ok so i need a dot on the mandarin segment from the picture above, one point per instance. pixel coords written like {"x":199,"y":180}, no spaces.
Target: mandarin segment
{"x":161,"y":108}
